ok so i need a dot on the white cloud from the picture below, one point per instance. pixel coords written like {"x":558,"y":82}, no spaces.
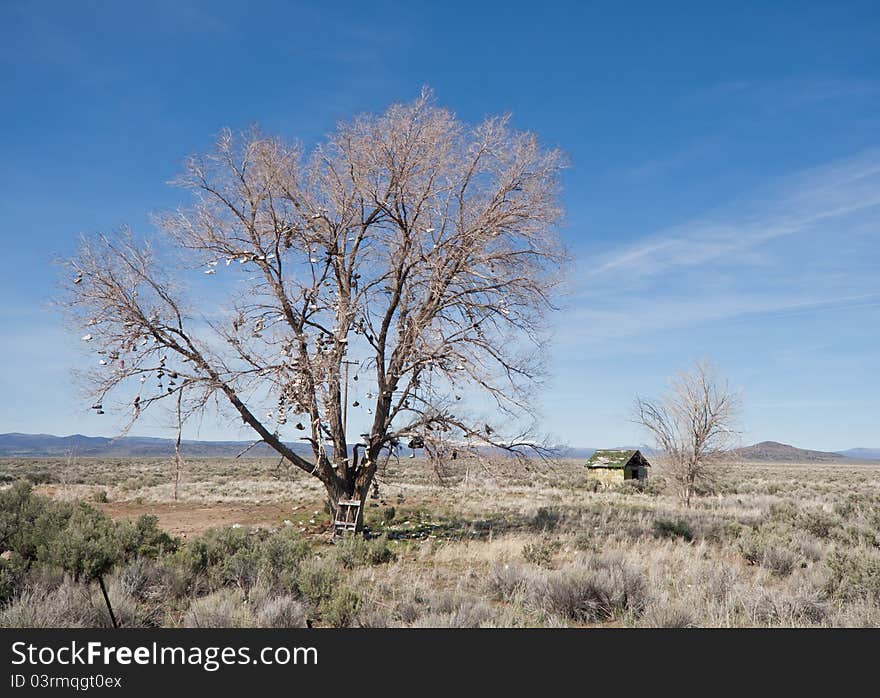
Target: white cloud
{"x":823,"y":195}
{"x":634,"y":317}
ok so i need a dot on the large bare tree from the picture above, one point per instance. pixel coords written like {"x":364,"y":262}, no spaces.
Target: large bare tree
{"x":694,"y":425}
{"x":423,"y":248}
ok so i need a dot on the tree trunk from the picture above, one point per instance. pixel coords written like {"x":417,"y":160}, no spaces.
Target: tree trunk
{"x":354,"y":489}
{"x":688,"y":492}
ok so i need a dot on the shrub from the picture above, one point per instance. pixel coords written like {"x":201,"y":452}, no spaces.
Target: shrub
{"x":771,"y":548}
{"x":222,"y":556}
{"x":505,"y":582}
{"x":373,"y":617}
{"x":67,"y":606}
{"x":408,"y":610}
{"x":779,"y":559}
{"x":592,"y":485}
{"x":654,"y":486}
{"x":585,"y":542}
{"x":240,"y":557}
{"x":340,"y":607}
{"x":669,"y":614}
{"x":316,"y":580}
{"x":281,"y":555}
{"x":356,"y":551}
{"x":88,"y":547}
{"x":599,"y":590}
{"x":626,"y":487}
{"x":541,"y":553}
{"x":858,"y":614}
{"x":854,"y":575}
{"x":781,"y":608}
{"x":466,"y":613}
{"x":673,"y":528}
{"x":28,"y":522}
{"x":546,"y":519}
{"x":12,"y":575}
{"x":224,"y":608}
{"x":42,"y":535}
{"x":819,"y":523}
{"x":784,"y":511}
{"x":282,"y":612}
{"x":144,"y":538}
{"x":146,"y":580}
{"x":128,"y":611}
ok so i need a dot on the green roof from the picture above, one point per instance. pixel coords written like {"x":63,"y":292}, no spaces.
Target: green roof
{"x":610,"y":459}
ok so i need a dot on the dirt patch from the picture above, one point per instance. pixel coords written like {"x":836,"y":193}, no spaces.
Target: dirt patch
{"x":187,"y":518}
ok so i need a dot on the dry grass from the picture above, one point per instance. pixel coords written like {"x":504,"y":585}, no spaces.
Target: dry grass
{"x":774,"y":545}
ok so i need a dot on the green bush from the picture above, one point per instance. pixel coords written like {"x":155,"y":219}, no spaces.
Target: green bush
{"x":771,"y":547}
{"x":280,"y":558}
{"x":673,"y":528}
{"x":356,"y":551}
{"x":28,"y":522}
{"x":316,"y":580}
{"x":220,"y":557}
{"x":541,"y":552}
{"x":817,"y":522}
{"x":87,"y":548}
{"x":144,"y":538}
{"x":340,"y":608}
{"x":80,"y":540}
{"x":10,"y":580}
{"x":854,"y":575}
{"x":546,"y":519}
{"x":239,"y":557}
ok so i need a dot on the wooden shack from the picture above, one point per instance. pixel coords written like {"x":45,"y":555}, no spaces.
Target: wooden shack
{"x":611,"y":466}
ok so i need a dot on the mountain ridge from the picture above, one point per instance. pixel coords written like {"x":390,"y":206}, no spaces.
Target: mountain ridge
{"x":776,"y":452}
{"x":18,"y":444}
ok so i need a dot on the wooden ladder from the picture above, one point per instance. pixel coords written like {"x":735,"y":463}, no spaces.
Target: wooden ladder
{"x":347,"y":511}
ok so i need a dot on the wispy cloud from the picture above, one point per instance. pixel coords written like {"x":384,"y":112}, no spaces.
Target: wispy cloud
{"x":805,"y":246}
{"x":632,"y":317}
{"x":799,"y":204}
{"x":792,"y":92}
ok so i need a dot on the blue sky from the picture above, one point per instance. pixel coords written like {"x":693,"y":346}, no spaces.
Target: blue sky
{"x":723,"y":199}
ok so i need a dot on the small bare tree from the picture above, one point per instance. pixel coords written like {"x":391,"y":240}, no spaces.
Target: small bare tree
{"x":694,"y":426}
{"x":422,"y":247}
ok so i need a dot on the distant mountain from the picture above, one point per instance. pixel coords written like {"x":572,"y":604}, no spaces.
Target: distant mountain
{"x":585,"y":453}
{"x":862,"y":453}
{"x":773,"y":451}
{"x":574,"y":452}
{"x":47,"y":445}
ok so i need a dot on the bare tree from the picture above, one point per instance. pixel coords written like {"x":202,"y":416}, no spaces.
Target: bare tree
{"x":694,"y":426}
{"x":423,"y":247}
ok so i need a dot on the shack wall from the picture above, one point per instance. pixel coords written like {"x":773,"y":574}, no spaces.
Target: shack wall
{"x":606,"y":476}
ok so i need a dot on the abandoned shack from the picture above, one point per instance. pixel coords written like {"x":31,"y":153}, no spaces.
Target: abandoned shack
{"x":616,"y":465}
